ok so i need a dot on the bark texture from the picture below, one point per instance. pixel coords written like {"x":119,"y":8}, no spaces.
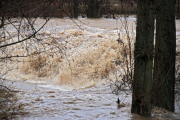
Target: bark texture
{"x":165,"y":51}
{"x":142,"y":84}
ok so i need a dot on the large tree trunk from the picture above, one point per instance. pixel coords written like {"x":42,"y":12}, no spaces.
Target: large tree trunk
{"x":142,"y":84}
{"x":165,"y":50}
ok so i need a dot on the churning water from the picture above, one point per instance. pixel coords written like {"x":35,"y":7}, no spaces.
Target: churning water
{"x":69,"y":69}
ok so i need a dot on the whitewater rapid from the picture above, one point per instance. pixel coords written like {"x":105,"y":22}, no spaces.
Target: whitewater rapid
{"x":72,"y":80}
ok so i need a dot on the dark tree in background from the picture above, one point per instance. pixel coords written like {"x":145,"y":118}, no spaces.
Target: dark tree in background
{"x":94,"y":9}
{"x":75,"y":10}
{"x":178,"y":8}
{"x":142,"y":84}
{"x":165,"y":51}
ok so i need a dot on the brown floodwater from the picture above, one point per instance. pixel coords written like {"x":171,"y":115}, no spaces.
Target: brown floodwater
{"x":71,"y":86}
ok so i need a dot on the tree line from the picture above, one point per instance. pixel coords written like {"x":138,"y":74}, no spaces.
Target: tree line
{"x":68,"y":8}
{"x":73,"y":8}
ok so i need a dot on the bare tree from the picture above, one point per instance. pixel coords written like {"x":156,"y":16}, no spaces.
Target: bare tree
{"x":19,"y":15}
{"x":17,"y":25}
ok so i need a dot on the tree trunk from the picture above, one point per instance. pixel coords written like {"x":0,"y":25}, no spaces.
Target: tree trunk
{"x":178,"y":9}
{"x":94,"y":9}
{"x":74,"y":7}
{"x":165,"y":50}
{"x":142,"y":84}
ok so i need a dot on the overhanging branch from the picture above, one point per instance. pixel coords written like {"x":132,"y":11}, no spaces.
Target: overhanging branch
{"x":2,"y":46}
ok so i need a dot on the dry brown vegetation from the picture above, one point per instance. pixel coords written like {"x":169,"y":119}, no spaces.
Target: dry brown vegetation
{"x":8,"y":106}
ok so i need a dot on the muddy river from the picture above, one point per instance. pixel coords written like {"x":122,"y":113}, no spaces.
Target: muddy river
{"x":69,"y":81}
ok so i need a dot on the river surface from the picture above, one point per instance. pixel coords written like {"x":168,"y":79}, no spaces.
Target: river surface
{"x":83,"y":96}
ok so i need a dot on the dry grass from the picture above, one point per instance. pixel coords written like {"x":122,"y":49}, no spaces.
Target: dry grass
{"x":8,"y":105}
